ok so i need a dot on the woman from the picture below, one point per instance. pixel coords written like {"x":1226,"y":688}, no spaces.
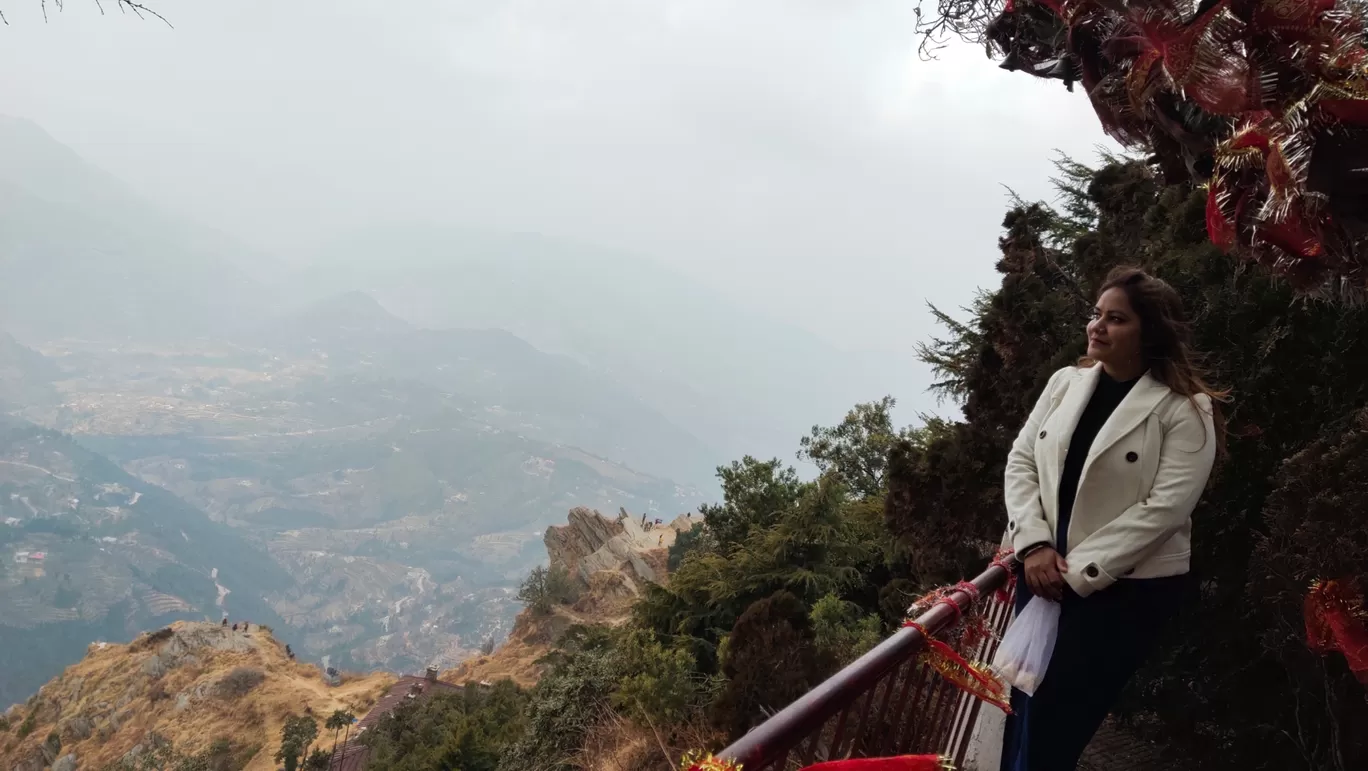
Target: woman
{"x":1100,"y":488}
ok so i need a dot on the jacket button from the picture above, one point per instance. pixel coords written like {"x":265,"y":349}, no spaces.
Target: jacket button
{"x":1090,"y":571}
{"x":1042,"y":434}
{"x":1131,"y":457}
{"x":1011,"y":524}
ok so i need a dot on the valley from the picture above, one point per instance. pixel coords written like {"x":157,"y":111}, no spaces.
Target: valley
{"x":376,"y":522}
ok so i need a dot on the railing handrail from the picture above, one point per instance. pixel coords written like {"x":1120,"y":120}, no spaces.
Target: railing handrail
{"x":785,"y":729}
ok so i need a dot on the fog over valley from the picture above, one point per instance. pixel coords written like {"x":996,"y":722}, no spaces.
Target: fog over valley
{"x":319,"y":314}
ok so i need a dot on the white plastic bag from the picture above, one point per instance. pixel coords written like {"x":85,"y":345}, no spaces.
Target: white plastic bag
{"x":1025,"y":652}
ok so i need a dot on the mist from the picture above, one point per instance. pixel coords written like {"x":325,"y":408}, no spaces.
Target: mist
{"x":798,"y":160}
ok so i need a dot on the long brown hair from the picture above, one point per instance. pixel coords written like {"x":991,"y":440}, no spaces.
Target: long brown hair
{"x":1166,"y":339}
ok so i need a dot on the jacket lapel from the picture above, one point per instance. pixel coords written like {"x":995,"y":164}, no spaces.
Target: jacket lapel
{"x":1132,"y":411}
{"x":1071,"y":408}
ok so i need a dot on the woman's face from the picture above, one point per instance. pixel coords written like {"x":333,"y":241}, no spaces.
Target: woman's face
{"x":1114,"y":332}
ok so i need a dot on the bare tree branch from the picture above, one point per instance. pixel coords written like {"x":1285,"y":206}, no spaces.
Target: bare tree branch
{"x":964,"y":19}
{"x":125,"y":6}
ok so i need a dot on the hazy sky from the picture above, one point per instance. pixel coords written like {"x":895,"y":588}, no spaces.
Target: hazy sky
{"x":794,"y":153}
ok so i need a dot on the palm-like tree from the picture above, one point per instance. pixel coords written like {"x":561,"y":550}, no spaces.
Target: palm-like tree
{"x":337,"y":721}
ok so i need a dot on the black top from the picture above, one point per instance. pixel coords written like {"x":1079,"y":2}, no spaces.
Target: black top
{"x":1104,"y":401}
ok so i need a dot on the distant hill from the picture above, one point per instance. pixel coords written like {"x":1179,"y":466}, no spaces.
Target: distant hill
{"x":90,"y":552}
{"x":195,"y":685}
{"x":549,"y":397}
{"x":25,"y":375}
{"x":337,"y":319}
{"x":83,"y":255}
{"x":745,"y":383}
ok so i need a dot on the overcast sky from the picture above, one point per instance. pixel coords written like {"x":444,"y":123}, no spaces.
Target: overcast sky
{"x":796,"y":154}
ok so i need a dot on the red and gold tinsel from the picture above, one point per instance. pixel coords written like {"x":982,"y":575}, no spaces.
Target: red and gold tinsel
{"x":1337,"y":621}
{"x":969,"y":631}
{"x":973,"y":677}
{"x":696,"y":761}
{"x":1263,"y":101}
{"x":898,"y":763}
{"x":699,"y":761}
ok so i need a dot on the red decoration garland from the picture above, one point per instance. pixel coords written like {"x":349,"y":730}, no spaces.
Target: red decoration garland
{"x":974,"y":678}
{"x":697,"y":761}
{"x":970,"y":630}
{"x":899,"y":763}
{"x":1265,"y":100}
{"x":1337,"y":620}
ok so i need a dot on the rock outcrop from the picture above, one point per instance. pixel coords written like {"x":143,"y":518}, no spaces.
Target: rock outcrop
{"x":591,"y":544}
{"x":610,"y":561}
{"x":171,"y":683}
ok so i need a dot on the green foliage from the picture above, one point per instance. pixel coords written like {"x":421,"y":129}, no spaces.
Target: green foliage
{"x":771,"y":660}
{"x":545,"y":587}
{"x":842,"y":630}
{"x":467,"y":730}
{"x":296,"y":735}
{"x":318,"y":760}
{"x":856,"y":451}
{"x":755,"y":494}
{"x":1317,"y":528}
{"x":695,"y":538}
{"x":660,"y":685}
{"x":821,"y":544}
{"x":29,"y":723}
{"x":568,"y":701}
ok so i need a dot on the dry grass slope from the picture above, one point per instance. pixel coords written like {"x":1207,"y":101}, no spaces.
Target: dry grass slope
{"x":169,"y":682}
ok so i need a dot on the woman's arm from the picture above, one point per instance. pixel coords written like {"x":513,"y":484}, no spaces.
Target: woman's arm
{"x":1185,"y":460}
{"x":1026,"y":525}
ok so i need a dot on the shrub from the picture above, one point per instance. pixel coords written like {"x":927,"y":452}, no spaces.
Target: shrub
{"x":568,"y":701}
{"x":545,"y":587}
{"x":156,"y":691}
{"x":468,"y":730}
{"x":770,"y":661}
{"x":659,"y":683}
{"x":153,"y":638}
{"x":30,"y":722}
{"x":841,"y":631}
{"x":239,"y":682}
{"x":695,"y":538}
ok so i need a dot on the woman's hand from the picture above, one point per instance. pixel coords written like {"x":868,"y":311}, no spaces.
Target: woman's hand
{"x":1045,"y":571}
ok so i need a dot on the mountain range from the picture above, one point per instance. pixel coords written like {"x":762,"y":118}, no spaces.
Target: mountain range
{"x":83,"y":255}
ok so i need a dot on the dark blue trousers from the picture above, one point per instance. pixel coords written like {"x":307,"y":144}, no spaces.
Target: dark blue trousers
{"x":1103,"y":639}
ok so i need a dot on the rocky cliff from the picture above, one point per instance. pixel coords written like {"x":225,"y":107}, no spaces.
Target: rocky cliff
{"x":191,"y":683}
{"x":610,"y":559}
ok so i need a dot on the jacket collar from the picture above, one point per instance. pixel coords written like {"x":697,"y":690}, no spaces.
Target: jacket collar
{"x":1138,"y":404}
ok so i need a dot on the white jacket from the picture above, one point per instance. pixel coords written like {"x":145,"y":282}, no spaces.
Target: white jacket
{"x":1145,"y":471}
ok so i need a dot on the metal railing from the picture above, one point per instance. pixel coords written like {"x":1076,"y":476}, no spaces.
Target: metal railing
{"x":917,"y":710}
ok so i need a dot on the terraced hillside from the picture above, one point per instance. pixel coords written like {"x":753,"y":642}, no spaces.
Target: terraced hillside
{"x":90,"y":552}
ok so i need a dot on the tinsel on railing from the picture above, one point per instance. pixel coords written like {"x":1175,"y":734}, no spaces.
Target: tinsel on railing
{"x":696,"y":762}
{"x":899,"y":763}
{"x":943,"y":653}
{"x":1263,"y":101}
{"x":699,"y":761}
